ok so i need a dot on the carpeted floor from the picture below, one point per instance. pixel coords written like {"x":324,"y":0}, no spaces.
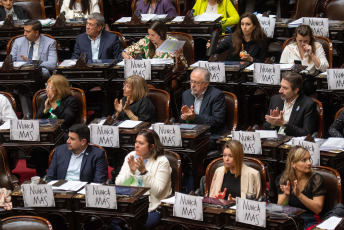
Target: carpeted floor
{"x":27,"y":173}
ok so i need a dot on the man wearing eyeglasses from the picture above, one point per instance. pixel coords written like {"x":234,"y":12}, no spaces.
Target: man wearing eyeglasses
{"x":204,"y":104}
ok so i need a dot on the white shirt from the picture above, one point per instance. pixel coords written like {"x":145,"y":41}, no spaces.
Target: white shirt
{"x":198,"y":102}
{"x":6,"y":110}
{"x":14,"y":16}
{"x":73,"y":171}
{"x":95,"y":46}
{"x":287,"y":108}
{"x":35,"y":49}
{"x":211,"y":9}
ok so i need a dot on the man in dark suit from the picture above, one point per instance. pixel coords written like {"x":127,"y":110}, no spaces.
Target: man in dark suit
{"x":17,"y":12}
{"x":97,"y":43}
{"x":292,"y":113}
{"x":78,"y":161}
{"x":204,"y":104}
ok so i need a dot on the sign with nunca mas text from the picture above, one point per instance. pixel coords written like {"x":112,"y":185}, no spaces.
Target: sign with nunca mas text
{"x":335,"y":79}
{"x":216,"y":69}
{"x":38,"y":195}
{"x":169,"y":135}
{"x":250,"y":141}
{"x":24,"y":130}
{"x":268,"y":25}
{"x":188,"y":206}
{"x":137,"y":67}
{"x":101,"y":196}
{"x":250,"y":212}
{"x":267,"y":74}
{"x":104,"y":135}
{"x":313,"y":149}
{"x":318,"y":25}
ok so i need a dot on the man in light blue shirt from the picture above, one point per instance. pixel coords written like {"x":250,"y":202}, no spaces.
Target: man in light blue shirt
{"x":78,"y":161}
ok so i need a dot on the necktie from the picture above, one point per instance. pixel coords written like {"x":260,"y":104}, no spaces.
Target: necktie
{"x":31,"y":51}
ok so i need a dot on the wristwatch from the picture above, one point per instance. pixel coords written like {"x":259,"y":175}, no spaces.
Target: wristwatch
{"x":285,"y":125}
{"x":144,"y":173}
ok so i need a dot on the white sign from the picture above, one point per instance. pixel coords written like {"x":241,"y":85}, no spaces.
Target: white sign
{"x":137,"y":67}
{"x":335,"y":79}
{"x":104,"y":135}
{"x":313,"y":149}
{"x":216,"y":69}
{"x":169,"y":135}
{"x":38,"y":195}
{"x":267,"y":74}
{"x":251,"y":212}
{"x":24,"y":130}
{"x":101,"y":196}
{"x":250,"y":141}
{"x":268,"y":25}
{"x":318,"y":25}
{"x":187,"y":206}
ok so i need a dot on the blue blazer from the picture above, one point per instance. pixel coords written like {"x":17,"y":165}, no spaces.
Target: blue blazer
{"x":93,"y":165}
{"x":212,"y":111}
{"x":110,"y":47}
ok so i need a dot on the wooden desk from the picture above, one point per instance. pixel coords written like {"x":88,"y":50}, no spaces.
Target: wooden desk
{"x":216,"y":218}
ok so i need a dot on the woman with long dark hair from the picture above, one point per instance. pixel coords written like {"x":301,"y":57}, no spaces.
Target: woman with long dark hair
{"x":249,"y":37}
{"x":79,"y":8}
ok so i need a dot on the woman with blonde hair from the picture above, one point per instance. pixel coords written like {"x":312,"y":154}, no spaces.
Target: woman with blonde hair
{"x":135,"y":104}
{"x":235,"y":178}
{"x":301,"y":187}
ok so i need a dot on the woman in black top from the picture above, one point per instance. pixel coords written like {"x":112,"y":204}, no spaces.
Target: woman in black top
{"x":301,"y":187}
{"x":135,"y":105}
{"x":248,"y":36}
{"x":337,"y":128}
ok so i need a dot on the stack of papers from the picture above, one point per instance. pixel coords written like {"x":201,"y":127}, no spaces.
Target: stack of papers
{"x":16,"y":64}
{"x":123,"y":20}
{"x":333,"y":143}
{"x":47,"y":22}
{"x":68,"y":63}
{"x":154,"y":61}
{"x":68,"y":186}
{"x":178,"y":19}
{"x":295,"y":23}
{"x":330,"y":224}
{"x":282,"y":66}
{"x":129,"y":124}
{"x":206,"y":17}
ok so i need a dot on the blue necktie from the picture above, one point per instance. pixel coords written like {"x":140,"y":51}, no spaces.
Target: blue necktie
{"x":31,"y":51}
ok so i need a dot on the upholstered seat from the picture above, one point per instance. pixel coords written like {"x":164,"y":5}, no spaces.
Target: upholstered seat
{"x":76,"y":92}
{"x":305,"y":8}
{"x":176,"y":166}
{"x":320,"y":118}
{"x":188,"y":48}
{"x":121,"y":39}
{"x":231,"y":110}
{"x":11,"y":100}
{"x":161,"y":101}
{"x":34,"y":8}
{"x":338,"y":112}
{"x":26,"y":223}
{"x":7,"y":180}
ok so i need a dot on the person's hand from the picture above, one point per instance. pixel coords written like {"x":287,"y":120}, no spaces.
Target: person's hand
{"x":188,"y":113}
{"x":24,"y":58}
{"x":140,"y":165}
{"x":178,"y":53}
{"x":275,"y":118}
{"x":126,"y":56}
{"x":132,"y":164}
{"x":247,"y":57}
{"x":308,"y":49}
{"x":118,"y":105}
{"x":285,"y":188}
{"x":296,"y":189}
{"x":221,"y":195}
{"x":127,"y":104}
{"x":208,"y":44}
{"x":47,"y":105}
{"x":275,"y":112}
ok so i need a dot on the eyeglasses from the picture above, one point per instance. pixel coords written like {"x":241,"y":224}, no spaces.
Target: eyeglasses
{"x":196,"y":82}
{"x":126,"y":86}
{"x":48,"y":86}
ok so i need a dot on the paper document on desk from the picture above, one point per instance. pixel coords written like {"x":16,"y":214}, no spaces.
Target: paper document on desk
{"x":170,"y":46}
{"x":123,"y":20}
{"x":147,"y":17}
{"x":206,"y":17}
{"x":178,"y":19}
{"x":330,"y":224}
{"x":16,"y":64}
{"x":6,"y":125}
{"x":83,"y":190}
{"x":160,"y":16}
{"x":47,"y":22}
{"x":69,"y":186}
{"x":129,"y":124}
{"x":68,"y":63}
{"x":295,"y":23}
{"x":267,"y":133}
{"x":282,"y":66}
{"x":161,"y":61}
{"x":333,"y":143}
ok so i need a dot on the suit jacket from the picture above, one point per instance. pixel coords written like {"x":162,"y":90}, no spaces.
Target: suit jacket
{"x":162,"y":7}
{"x":109,"y":48}
{"x":212,"y":111}
{"x":249,"y":177}
{"x":46,"y":51}
{"x":18,"y":10}
{"x":93,"y":165}
{"x":303,"y":119}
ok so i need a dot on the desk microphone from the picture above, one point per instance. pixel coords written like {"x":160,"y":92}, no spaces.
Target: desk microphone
{"x":63,"y":12}
{"x":192,"y":11}
{"x":255,"y":127}
{"x":172,"y":120}
{"x":213,"y":42}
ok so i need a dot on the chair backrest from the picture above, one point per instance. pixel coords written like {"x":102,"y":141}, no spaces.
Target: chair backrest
{"x":121,"y":38}
{"x":305,"y":8}
{"x":320,"y":111}
{"x":175,"y":3}
{"x":60,"y":2}
{"x":176,"y":166}
{"x":338,"y":112}
{"x":11,"y":100}
{"x":222,"y":56}
{"x":79,"y":95}
{"x":333,"y":9}
{"x":5,"y":173}
{"x":231,"y":110}
{"x":161,"y":100}
{"x":188,"y":48}
{"x":34,"y":8}
{"x":249,"y":161}
{"x":26,"y":223}
{"x":11,"y":41}
{"x":333,"y":184}
{"x":325,"y":42}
